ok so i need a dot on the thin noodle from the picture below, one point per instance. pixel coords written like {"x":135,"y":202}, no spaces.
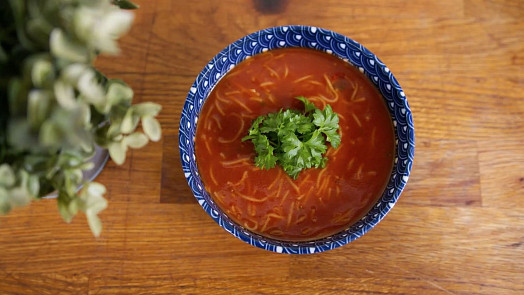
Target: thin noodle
{"x":271,"y":97}
{"x":323,"y":186}
{"x":254,"y":227}
{"x":222,"y":155}
{"x":276,"y":232}
{"x":354,"y":94}
{"x":359,"y":171}
{"x":343,"y":217}
{"x":219,"y":197}
{"x":252,"y":90}
{"x":302,"y":78}
{"x":356,"y":120}
{"x":350,"y":164}
{"x":306,"y":196}
{"x":306,"y":231}
{"x":338,"y":191}
{"x":221,"y":99}
{"x":300,"y":219}
{"x":253,"y":199}
{"x":320,"y":176}
{"x":320,"y":99}
{"x":279,"y":189}
{"x":293,"y":184}
{"x":236,"y":211}
{"x":208,"y":125}
{"x":315,"y":82}
{"x":286,"y":70}
{"x":284,"y":197}
{"x":244,"y":176}
{"x":305,"y":179}
{"x":265,"y":224}
{"x":209,"y":112}
{"x":243,"y":105}
{"x":290,"y":215}
{"x":236,"y":161}
{"x":272,"y":71}
{"x":360,"y":99}
{"x":208,"y":148}
{"x":329,"y":192}
{"x":275,"y":216}
{"x":329,"y":152}
{"x":258,"y":99}
{"x":330,"y":86}
{"x":264,"y":84}
{"x":312,"y":214}
{"x":276,"y":179}
{"x":372,"y":173}
{"x":251,"y":210}
{"x":213,"y":179}
{"x":232,"y":92}
{"x":220,"y":110}
{"x":336,"y":150}
{"x":341,"y":117}
{"x":279,"y":56}
{"x":232,"y":74}
{"x":217,"y":121}
{"x":237,"y":135}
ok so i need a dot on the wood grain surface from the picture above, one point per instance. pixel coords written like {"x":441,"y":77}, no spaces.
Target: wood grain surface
{"x":458,"y":228}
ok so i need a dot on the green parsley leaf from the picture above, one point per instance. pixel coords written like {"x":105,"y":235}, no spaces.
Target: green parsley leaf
{"x":308,"y":106}
{"x":295,"y":140}
{"x":327,"y":122}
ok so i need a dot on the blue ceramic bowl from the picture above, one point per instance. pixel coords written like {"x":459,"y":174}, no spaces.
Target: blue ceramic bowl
{"x":330,"y":42}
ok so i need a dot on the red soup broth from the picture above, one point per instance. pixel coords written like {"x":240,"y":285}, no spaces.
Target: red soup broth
{"x":320,"y":202}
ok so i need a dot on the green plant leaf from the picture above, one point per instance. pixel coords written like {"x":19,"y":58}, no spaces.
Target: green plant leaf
{"x":152,"y":128}
{"x":125,"y":4}
{"x":91,"y":90}
{"x":5,"y":204}
{"x":129,"y":122}
{"x":62,"y":47}
{"x":117,"y":151}
{"x":118,"y":92}
{"x":136,"y":140}
{"x":7,"y":176}
{"x":147,"y":109}
{"x":38,"y":108}
{"x":65,"y":94}
{"x":66,"y":211}
{"x":94,"y":203}
{"x":42,"y":72}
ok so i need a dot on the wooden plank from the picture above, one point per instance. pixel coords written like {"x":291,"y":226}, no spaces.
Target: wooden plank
{"x":467,"y":249}
{"x":454,"y":165}
{"x":174,"y":185}
{"x":502,"y":172}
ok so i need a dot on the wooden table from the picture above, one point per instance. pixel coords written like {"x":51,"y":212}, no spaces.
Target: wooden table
{"x":457,"y":229}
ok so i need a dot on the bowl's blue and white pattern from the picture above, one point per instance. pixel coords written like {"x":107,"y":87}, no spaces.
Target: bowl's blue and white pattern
{"x":327,"y":41}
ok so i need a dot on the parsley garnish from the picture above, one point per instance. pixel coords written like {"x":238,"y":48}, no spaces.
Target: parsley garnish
{"x":295,"y":140}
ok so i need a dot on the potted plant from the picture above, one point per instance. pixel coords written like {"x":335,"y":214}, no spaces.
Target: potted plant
{"x":56,"y":108}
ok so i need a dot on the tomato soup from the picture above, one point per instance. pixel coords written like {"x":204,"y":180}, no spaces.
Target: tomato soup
{"x":320,"y":202}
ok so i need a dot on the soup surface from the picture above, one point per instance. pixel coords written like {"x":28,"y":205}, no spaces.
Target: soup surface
{"x":320,"y":202}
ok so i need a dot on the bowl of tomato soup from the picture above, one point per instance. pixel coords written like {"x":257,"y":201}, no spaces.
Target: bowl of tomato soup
{"x":327,"y":204}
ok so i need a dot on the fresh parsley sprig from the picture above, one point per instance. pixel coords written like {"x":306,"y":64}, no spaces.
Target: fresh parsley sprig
{"x":295,"y":140}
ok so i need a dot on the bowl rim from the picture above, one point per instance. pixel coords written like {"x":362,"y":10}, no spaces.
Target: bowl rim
{"x":332,"y":43}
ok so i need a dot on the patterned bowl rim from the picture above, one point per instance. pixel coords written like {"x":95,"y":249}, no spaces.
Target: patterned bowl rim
{"x":331,"y":43}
